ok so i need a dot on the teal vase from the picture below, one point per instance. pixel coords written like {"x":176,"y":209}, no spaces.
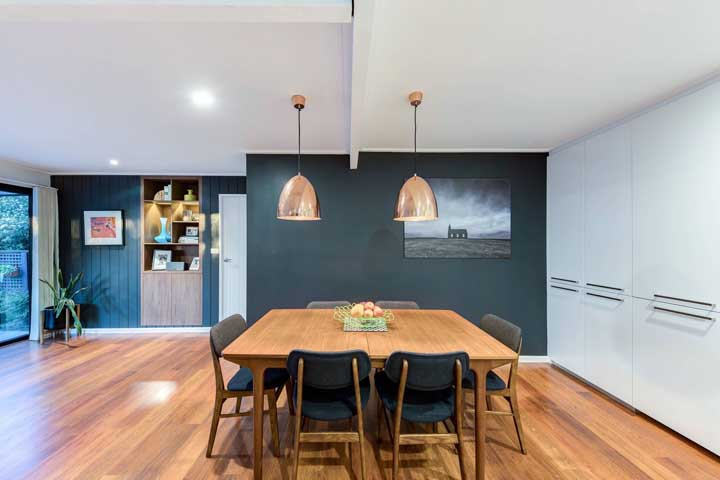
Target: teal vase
{"x":164,"y":236}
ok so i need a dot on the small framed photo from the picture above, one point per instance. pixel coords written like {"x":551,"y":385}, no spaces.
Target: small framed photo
{"x":175,"y":266}
{"x":103,"y":227}
{"x":195,"y":264}
{"x":161,"y":258}
{"x":191,"y":231}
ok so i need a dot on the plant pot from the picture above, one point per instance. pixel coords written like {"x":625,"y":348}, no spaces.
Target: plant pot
{"x":51,"y":322}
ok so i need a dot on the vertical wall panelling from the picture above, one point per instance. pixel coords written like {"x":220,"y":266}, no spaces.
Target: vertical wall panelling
{"x":112,"y":272}
{"x":212,"y":187}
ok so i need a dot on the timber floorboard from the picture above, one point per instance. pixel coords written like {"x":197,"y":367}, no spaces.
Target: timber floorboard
{"x":139,"y":407}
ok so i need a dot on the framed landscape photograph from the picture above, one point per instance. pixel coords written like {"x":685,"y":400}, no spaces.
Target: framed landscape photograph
{"x":103,"y":227}
{"x":473,"y":221}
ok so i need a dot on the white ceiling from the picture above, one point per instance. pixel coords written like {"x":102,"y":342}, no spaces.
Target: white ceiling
{"x":82,"y":85}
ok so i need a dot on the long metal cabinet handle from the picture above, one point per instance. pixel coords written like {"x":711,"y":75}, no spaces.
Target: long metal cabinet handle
{"x":603,"y":296}
{"x":692,"y":315}
{"x":563,"y":288}
{"x":605,"y":286}
{"x":684,"y":300}
{"x":563,"y":279}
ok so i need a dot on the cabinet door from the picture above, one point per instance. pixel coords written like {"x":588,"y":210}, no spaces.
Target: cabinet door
{"x":676,"y":357}
{"x":186,"y":299}
{"x":609,"y":342}
{"x":564,"y":214}
{"x":566,"y":330}
{"x":676,"y":152}
{"x":608,"y":211}
{"x":156,"y":300}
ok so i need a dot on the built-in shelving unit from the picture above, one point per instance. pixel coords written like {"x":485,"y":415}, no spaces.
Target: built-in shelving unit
{"x":171,"y":297}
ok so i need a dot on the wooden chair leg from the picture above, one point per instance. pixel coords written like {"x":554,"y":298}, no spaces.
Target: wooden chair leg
{"x":379,"y":420}
{"x":238,"y":402}
{"x":213,"y":427}
{"x":361,"y":435}
{"x":272,"y":401}
{"x":515,"y":408}
{"x":289,"y":387}
{"x":296,"y":452}
{"x":396,"y":454}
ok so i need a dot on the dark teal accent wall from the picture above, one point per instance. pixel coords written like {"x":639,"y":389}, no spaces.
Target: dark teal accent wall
{"x":356,"y":251}
{"x":114,"y":272}
{"x":211,"y":188}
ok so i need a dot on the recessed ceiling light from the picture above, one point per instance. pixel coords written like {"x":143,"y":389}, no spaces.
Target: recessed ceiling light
{"x":114,"y":162}
{"x":202,"y":98}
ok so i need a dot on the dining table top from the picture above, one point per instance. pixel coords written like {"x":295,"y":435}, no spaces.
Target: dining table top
{"x":280,"y":331}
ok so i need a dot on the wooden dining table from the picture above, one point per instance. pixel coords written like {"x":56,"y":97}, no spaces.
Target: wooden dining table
{"x":267,"y":343}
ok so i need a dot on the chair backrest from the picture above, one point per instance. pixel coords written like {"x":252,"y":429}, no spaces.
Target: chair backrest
{"x":328,"y":370}
{"x":426,"y":371}
{"x":503,"y":331}
{"x":327,"y":305}
{"x":223,"y":333}
{"x":398,"y":304}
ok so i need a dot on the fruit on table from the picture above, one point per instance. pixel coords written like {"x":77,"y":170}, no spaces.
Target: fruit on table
{"x":368,"y":313}
{"x":369,"y":305}
{"x":378,"y":312}
{"x":357,"y":310}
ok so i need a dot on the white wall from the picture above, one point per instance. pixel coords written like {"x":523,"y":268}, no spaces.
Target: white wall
{"x":11,"y":172}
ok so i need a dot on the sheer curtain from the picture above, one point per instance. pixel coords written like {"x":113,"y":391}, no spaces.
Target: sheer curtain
{"x":45,"y":252}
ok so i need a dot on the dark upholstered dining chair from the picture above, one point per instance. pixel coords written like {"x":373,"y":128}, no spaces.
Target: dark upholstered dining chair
{"x":510,"y":335}
{"x":422,"y":388}
{"x":329,"y":387}
{"x":241,"y":384}
{"x":397,"y":304}
{"x":327,"y":305}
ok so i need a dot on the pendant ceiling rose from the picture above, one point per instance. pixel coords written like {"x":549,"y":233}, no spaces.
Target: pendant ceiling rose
{"x":298,"y":200}
{"x":416,"y":200}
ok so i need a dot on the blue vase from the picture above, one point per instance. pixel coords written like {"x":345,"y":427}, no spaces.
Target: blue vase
{"x":164,"y":236}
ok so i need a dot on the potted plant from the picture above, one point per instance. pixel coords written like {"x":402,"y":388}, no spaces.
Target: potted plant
{"x":63,"y":298}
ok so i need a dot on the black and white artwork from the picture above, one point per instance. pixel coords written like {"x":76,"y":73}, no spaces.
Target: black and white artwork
{"x":473,"y":221}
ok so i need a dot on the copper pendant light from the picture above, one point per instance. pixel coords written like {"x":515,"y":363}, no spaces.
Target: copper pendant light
{"x":298,"y":200}
{"x":416,"y":200}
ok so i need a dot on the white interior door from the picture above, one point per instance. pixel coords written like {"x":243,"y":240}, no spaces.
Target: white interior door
{"x":233,"y":255}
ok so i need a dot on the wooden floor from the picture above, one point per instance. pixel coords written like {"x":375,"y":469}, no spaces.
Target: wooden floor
{"x":139,"y":407}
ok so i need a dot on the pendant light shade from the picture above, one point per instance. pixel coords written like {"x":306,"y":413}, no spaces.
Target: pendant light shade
{"x":416,"y":200}
{"x":298,"y":200}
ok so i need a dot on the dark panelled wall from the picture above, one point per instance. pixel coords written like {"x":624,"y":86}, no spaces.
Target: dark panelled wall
{"x":356,"y":251}
{"x":114,"y":272}
{"x":211,"y":188}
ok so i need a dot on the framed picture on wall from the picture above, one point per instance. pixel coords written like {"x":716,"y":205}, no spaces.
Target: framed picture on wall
{"x":103,"y":227}
{"x":474,"y":221}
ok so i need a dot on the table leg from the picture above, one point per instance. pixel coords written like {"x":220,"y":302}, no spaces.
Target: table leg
{"x":481,"y":371}
{"x":258,"y":407}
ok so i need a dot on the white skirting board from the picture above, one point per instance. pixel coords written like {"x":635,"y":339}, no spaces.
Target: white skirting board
{"x":534,"y":359}
{"x":135,"y":331}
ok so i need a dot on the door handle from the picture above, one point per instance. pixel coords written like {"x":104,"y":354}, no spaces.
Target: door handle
{"x":684,"y":300}
{"x":563,"y":288}
{"x":691,"y":315}
{"x":603,"y":296}
{"x":604,"y":286}
{"x":227,"y":260}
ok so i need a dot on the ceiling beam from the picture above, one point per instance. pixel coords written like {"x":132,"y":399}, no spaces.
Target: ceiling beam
{"x":361,"y":48}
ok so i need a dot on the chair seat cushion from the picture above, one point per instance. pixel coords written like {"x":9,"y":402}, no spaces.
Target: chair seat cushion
{"x":242,"y":381}
{"x":336,"y":404}
{"x":418,"y":406}
{"x":492,"y":381}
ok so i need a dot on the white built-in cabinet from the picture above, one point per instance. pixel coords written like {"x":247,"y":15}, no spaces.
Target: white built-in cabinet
{"x":634,"y":230}
{"x":565,"y":214}
{"x":607,"y":186}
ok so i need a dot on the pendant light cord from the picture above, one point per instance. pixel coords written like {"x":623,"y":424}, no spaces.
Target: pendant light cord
{"x":298,"y":159}
{"x":415,"y":141}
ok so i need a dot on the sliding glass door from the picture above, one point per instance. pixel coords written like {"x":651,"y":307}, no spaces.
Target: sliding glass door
{"x":15,"y":262}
